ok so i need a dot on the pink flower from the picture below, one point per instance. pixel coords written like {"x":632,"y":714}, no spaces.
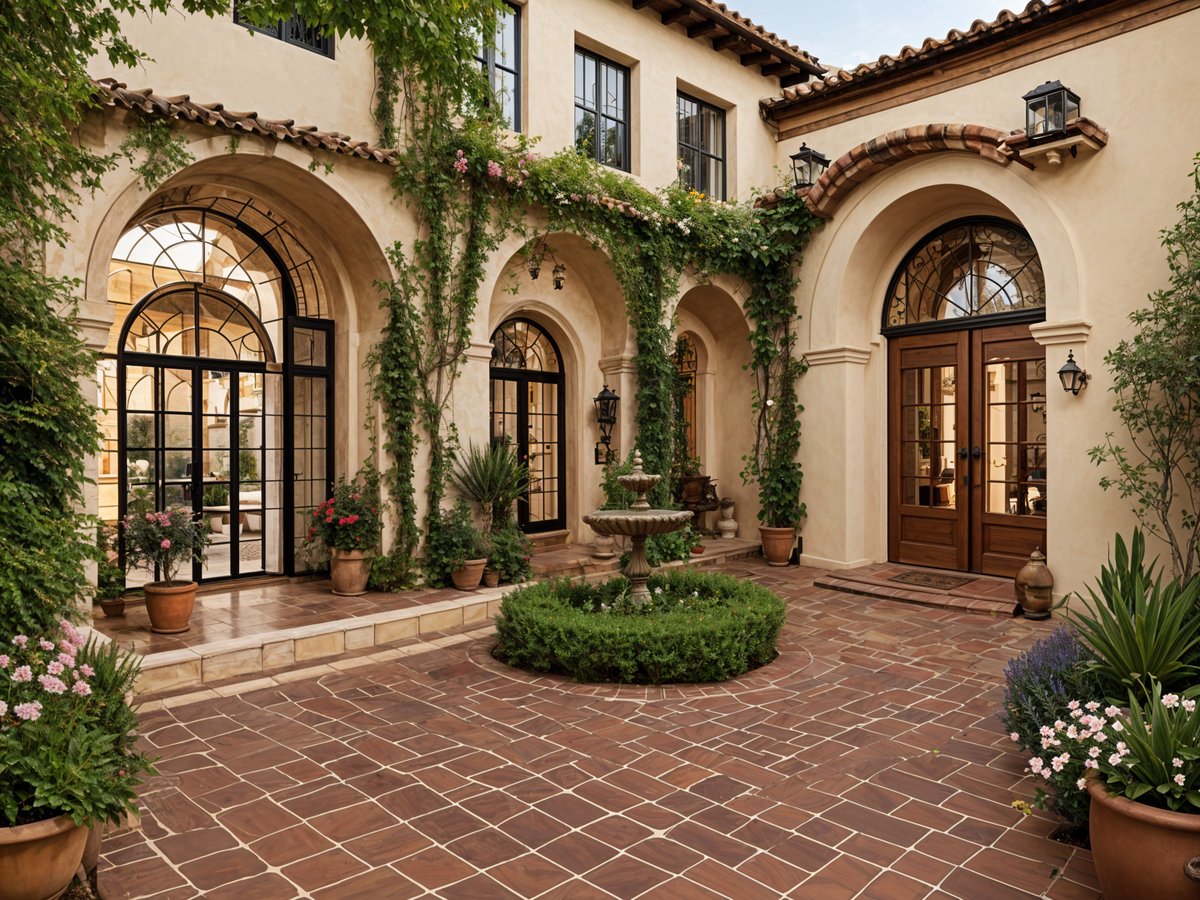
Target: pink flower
{"x":1170,"y":701}
{"x":52,"y":685}
{"x":460,"y":166}
{"x":458,"y":154}
{"x":22,"y":673}
{"x":87,"y":670}
{"x":1014,"y":737}
{"x":166,"y":544}
{"x":149,"y":517}
{"x":1179,"y":779}
{"x":28,"y":711}
{"x":1081,"y":784}
{"x":1177,"y":763}
{"x":493,"y":169}
{"x":3,"y":708}
{"x":67,"y":660}
{"x":45,"y":644}
{"x":3,"y":660}
{"x":55,"y":668}
{"x":81,"y":688}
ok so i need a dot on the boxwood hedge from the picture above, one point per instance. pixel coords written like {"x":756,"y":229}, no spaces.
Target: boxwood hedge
{"x":697,"y":627}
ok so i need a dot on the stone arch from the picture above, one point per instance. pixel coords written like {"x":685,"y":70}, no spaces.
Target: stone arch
{"x":872,"y":157}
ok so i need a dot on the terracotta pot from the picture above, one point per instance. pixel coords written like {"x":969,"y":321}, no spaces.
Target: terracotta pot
{"x":777,"y":544}
{"x":1141,"y":851}
{"x":491,"y":578}
{"x":113,"y":608}
{"x":38,"y":860}
{"x":698,"y":550}
{"x":170,"y":605}
{"x":467,"y":578}
{"x":350,"y":570}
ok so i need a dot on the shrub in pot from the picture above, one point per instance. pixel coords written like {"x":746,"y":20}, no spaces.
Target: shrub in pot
{"x":493,"y":477}
{"x":68,"y":753}
{"x":510,"y":553}
{"x":348,"y":524}
{"x":455,"y":549}
{"x":110,"y":580}
{"x":166,"y":540}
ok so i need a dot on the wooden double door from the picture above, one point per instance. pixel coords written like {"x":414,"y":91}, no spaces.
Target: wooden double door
{"x":967,"y":476}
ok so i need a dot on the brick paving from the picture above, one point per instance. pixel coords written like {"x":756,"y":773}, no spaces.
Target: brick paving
{"x":866,"y":761}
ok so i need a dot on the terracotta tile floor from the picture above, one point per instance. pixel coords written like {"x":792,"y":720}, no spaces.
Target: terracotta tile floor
{"x":866,"y":761}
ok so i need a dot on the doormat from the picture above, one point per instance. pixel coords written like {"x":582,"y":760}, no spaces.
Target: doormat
{"x":929,"y":580}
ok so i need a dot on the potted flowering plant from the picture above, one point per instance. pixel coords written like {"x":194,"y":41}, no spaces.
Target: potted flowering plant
{"x":348,"y":525}
{"x":165,"y":540}
{"x":68,"y":753}
{"x":1141,"y":768}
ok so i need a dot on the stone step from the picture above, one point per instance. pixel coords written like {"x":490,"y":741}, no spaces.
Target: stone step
{"x":879,"y":589}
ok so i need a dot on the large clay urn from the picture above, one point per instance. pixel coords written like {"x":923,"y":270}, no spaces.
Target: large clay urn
{"x":349,"y":570}
{"x":169,"y":605}
{"x":38,"y":860}
{"x":1034,"y":587}
{"x":777,"y":544}
{"x":1141,"y":851}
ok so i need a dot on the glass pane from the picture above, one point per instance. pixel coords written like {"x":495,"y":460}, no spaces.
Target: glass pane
{"x":585,"y":132}
{"x":308,"y":347}
{"x":177,"y":430}
{"x":712,"y":130}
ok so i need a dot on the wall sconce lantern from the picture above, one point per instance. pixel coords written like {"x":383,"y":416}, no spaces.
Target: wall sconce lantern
{"x":534,"y":263}
{"x":1048,"y":109}
{"x":1072,"y":377}
{"x":606,"y":416}
{"x":807,"y":166}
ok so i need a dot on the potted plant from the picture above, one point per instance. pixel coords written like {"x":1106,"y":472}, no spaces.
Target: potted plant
{"x":68,"y":753}
{"x":110,"y":580}
{"x":509,"y":555}
{"x":773,"y":465}
{"x":348,"y":525}
{"x":456,"y":550}
{"x":493,"y":477}
{"x":1141,"y":769}
{"x":165,"y":540}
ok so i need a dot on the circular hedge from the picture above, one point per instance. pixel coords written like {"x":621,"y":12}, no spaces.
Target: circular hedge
{"x":696,"y":627}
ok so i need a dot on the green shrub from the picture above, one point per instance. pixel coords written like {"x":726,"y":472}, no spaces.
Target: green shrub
{"x":510,"y":553}
{"x":452,"y":540}
{"x":696,"y":627}
{"x":1139,"y":629}
{"x":494,"y":478}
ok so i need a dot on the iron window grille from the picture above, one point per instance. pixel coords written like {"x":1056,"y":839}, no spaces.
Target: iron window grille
{"x":602,"y":109}
{"x":293,"y":31}
{"x":701,"y":128}
{"x":500,"y":60}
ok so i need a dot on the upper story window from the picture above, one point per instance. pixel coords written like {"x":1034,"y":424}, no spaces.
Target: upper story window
{"x":602,"y":109}
{"x":500,"y":60}
{"x":291,"y":31}
{"x":701,"y":146}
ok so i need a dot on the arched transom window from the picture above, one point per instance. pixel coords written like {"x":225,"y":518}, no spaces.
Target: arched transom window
{"x":966,"y":269}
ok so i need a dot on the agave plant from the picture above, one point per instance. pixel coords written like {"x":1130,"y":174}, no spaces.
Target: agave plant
{"x":1140,"y":629}
{"x":493,"y":477}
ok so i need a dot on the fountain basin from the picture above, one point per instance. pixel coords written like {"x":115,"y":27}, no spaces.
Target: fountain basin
{"x":643,"y":522}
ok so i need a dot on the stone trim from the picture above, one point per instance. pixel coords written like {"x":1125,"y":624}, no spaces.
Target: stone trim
{"x":834,"y":356}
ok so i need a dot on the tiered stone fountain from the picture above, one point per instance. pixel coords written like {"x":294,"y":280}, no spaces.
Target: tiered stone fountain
{"x":638,"y":522}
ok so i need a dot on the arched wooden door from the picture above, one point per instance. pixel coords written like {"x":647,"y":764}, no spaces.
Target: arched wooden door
{"x":528,"y":411}
{"x":967,"y":401}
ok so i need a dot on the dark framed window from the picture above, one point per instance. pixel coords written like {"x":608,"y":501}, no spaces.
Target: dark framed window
{"x":602,"y":109}
{"x":500,"y":60}
{"x":701,"y":146}
{"x":291,"y":31}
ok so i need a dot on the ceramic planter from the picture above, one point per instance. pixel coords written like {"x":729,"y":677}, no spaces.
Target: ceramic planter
{"x":1034,"y":587}
{"x":491,"y":578}
{"x":349,"y":570}
{"x":114,"y":607}
{"x":38,"y":860}
{"x":777,"y":544}
{"x":170,"y":605}
{"x":468,"y":577}
{"x":1141,"y":851}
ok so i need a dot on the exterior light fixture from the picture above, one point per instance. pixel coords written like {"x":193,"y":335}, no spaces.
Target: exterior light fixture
{"x":808,"y":165}
{"x":1048,"y":110}
{"x":1072,"y":377}
{"x":606,"y":416}
{"x":537,"y":253}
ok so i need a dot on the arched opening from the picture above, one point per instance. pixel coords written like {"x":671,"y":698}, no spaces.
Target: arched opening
{"x":527,"y":410}
{"x":967,"y":399}
{"x":217,"y":381}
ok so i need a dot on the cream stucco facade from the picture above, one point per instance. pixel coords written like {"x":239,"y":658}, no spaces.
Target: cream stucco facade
{"x":1094,"y":221}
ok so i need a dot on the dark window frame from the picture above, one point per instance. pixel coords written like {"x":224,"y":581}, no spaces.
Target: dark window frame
{"x":603,"y":63}
{"x":682,"y":97}
{"x":294,"y":31}
{"x":487,"y":58}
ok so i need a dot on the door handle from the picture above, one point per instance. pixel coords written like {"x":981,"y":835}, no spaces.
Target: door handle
{"x":963,"y":452}
{"x":976,"y":452}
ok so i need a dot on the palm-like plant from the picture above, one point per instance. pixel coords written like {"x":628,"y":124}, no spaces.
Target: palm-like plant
{"x":1141,"y":630}
{"x":493,"y":477}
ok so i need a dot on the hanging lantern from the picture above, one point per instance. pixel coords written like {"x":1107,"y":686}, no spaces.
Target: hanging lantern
{"x":807,"y":166}
{"x":560,"y":276}
{"x":1072,"y":377}
{"x":1048,"y":109}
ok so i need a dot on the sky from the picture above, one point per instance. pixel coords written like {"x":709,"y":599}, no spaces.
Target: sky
{"x":847,"y":32}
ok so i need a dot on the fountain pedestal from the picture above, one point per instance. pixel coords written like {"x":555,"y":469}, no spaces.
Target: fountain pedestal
{"x":638,"y":522}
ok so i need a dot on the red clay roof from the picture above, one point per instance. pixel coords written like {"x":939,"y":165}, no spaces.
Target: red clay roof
{"x":979,"y":33}
{"x":182,"y":108}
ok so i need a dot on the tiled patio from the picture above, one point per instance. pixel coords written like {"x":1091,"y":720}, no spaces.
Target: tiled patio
{"x":865,"y":761}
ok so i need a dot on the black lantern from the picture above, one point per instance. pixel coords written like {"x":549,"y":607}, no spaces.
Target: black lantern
{"x":807,"y":166}
{"x":606,"y":415}
{"x":1072,"y":377}
{"x":535,"y":265}
{"x":1048,"y":109}
{"x":537,"y":253}
{"x":560,"y":275}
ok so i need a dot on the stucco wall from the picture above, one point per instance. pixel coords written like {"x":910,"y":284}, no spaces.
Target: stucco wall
{"x":1095,"y":221}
